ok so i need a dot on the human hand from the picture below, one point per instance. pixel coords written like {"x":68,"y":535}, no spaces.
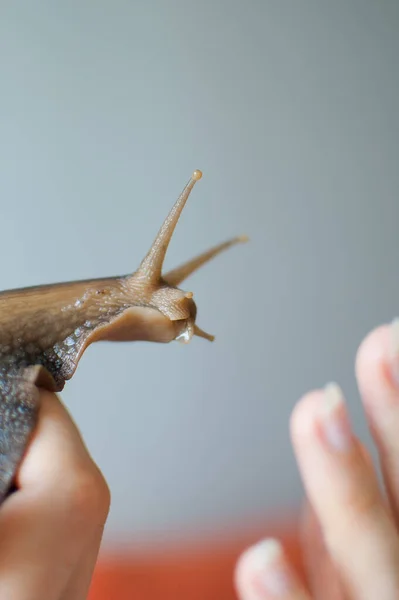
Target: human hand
{"x":51,"y":527}
{"x":350,"y":527}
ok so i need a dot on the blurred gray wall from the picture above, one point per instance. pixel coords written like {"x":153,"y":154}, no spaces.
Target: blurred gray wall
{"x":290,"y":108}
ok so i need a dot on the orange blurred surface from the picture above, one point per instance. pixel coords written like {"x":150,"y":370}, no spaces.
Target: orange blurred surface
{"x":202,"y":572}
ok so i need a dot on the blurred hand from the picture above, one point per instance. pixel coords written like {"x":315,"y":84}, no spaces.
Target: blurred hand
{"x":350,"y":527}
{"x":51,"y":528}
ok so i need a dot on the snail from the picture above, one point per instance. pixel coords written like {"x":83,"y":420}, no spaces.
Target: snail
{"x":45,"y":329}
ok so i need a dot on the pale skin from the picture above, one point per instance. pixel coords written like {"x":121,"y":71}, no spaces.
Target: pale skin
{"x":350,"y":522}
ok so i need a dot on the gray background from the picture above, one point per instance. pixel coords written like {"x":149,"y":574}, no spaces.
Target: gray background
{"x":290,"y":108}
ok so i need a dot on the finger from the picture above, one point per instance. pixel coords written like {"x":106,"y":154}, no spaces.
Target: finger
{"x":61,"y":500}
{"x":343,"y":489}
{"x":321,"y":574}
{"x":56,"y":446}
{"x":377,"y":371}
{"x":263,"y":573}
{"x":79,"y":583}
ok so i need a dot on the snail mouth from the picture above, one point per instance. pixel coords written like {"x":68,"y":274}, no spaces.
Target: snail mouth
{"x":189,"y":330}
{"x":186,"y":332}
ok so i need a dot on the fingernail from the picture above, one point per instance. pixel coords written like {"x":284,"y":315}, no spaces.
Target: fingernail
{"x":395,"y":350}
{"x":334,"y":419}
{"x":272,"y":577}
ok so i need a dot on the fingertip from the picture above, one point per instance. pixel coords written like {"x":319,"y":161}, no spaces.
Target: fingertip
{"x":56,"y":450}
{"x":255,"y":562}
{"x":264,"y":571}
{"x":373,"y":349}
{"x":302,"y":416}
{"x":375,"y":367}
